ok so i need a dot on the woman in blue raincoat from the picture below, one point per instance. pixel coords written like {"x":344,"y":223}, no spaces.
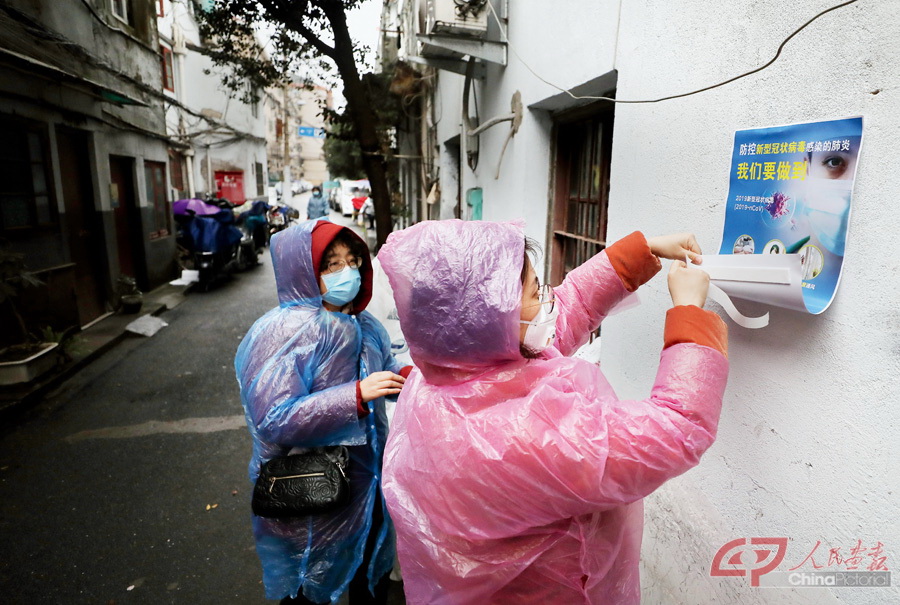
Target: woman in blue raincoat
{"x":313,"y":372}
{"x":317,"y":207}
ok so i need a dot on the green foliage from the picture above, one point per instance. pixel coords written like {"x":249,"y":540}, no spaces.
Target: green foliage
{"x":342,"y":151}
{"x":306,"y":35}
{"x":343,"y":154}
{"x":14,"y":276}
{"x":300,"y":31}
{"x":48,"y":334}
{"x":71,"y":345}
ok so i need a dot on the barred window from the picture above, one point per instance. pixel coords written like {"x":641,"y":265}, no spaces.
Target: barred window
{"x":583,"y":150}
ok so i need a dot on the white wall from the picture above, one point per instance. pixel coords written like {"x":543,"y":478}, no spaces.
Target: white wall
{"x":569,"y":48}
{"x":808,"y":439}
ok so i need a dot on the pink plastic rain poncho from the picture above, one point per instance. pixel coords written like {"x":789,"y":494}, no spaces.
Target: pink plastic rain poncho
{"x":516,"y":481}
{"x":297,"y":368}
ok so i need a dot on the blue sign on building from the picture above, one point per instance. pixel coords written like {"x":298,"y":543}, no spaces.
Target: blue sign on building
{"x":310,"y":131}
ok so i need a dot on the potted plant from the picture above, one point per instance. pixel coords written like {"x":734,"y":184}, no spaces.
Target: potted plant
{"x":24,"y":357}
{"x":130,"y":297}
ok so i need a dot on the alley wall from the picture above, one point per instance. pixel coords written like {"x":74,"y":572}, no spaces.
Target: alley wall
{"x":807,"y":444}
{"x":808,"y":436}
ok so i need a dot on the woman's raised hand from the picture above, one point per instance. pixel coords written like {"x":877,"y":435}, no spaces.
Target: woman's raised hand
{"x":379,"y":384}
{"x":676,"y":247}
{"x":687,"y":285}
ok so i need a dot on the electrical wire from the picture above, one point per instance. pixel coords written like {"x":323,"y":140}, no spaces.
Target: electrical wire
{"x":678,"y":96}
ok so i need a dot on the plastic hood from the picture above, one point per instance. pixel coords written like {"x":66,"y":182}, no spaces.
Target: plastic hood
{"x":458,"y":293}
{"x":297,"y":279}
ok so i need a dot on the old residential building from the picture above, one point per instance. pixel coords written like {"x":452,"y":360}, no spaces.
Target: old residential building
{"x":221,"y":140}
{"x":85,"y":193}
{"x":303,"y":125}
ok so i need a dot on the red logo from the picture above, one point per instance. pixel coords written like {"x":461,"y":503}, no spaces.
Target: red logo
{"x":758,"y":556}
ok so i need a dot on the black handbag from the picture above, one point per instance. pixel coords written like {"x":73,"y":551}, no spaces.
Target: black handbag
{"x":297,"y":485}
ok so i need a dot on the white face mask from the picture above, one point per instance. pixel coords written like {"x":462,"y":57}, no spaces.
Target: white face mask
{"x":828,"y":207}
{"x":541,"y":331}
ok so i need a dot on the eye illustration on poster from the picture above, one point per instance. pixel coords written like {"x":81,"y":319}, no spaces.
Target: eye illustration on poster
{"x":788,"y":208}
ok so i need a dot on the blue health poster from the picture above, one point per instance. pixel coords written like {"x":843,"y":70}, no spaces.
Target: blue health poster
{"x":790,"y":193}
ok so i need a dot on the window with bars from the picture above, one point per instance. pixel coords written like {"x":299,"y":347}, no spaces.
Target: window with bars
{"x":26,"y":200}
{"x":581,"y":192}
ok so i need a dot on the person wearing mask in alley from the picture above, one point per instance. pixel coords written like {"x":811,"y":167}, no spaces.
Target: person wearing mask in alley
{"x":313,"y":372}
{"x":317,"y":207}
{"x":513,"y":473}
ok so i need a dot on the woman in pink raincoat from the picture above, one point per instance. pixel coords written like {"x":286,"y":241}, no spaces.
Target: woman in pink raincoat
{"x":517,"y":478}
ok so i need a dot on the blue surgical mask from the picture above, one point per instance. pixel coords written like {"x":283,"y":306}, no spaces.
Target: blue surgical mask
{"x":342,"y":287}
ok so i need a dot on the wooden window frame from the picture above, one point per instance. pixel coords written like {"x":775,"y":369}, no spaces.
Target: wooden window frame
{"x":176,"y":172}
{"x":157,"y":199}
{"x":168,"y":69}
{"x":162,"y":11}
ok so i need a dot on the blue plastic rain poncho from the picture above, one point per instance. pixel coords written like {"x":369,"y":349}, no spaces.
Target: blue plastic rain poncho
{"x":317,"y":206}
{"x":297,"y":368}
{"x":515,"y":481}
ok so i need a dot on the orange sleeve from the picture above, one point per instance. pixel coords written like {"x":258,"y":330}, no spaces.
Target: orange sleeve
{"x":633,"y":261}
{"x":691,"y":324}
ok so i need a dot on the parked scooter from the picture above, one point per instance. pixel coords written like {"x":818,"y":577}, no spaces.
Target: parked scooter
{"x":280,"y":218}
{"x":208,"y":240}
{"x":252,"y":227}
{"x":255,"y":222}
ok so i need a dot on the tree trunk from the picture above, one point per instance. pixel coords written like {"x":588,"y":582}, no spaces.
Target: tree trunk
{"x":366,"y":123}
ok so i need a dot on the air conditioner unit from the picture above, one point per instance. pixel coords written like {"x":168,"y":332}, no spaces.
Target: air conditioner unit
{"x":458,"y":17}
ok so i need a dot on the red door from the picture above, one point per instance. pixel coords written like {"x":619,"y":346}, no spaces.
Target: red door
{"x":230,"y":185}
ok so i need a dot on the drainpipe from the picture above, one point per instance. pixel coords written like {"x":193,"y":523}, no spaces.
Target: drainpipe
{"x":189,"y":157}
{"x":180,"y":49}
{"x":286,"y":195}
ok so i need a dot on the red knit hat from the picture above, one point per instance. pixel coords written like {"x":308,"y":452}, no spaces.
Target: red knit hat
{"x":322,"y":235}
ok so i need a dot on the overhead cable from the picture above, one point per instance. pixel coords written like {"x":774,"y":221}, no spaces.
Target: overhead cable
{"x":678,"y":96}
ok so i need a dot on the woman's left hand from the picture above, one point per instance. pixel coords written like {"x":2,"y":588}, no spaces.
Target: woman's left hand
{"x":676,"y":247}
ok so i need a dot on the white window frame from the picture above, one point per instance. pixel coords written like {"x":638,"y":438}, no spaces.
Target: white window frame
{"x":124,"y":4}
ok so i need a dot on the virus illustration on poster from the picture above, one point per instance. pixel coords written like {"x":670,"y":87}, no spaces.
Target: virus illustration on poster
{"x":777,"y":206}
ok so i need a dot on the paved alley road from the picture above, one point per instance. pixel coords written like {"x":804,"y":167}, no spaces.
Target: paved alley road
{"x":104,"y":487}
